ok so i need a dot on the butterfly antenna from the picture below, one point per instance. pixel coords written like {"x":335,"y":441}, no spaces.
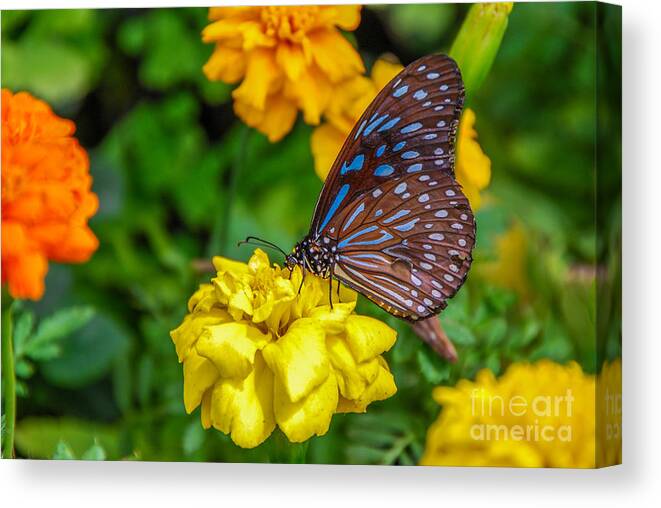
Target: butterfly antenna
{"x":260,"y":242}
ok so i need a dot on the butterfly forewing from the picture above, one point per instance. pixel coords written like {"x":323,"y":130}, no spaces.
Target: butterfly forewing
{"x":411,"y":122}
{"x":402,"y":228}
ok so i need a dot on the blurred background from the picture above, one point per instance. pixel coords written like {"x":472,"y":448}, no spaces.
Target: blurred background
{"x":165,"y":148}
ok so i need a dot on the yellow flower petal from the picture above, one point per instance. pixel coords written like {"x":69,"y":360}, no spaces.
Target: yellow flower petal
{"x":203,"y":299}
{"x":290,"y":57}
{"x":240,"y":303}
{"x":382,"y":387}
{"x":262,"y":74}
{"x":275,"y":121}
{"x":312,"y":92}
{"x":232,"y":347}
{"x":236,"y":268}
{"x":334,"y":55}
{"x":219,"y":30}
{"x":326,"y":142}
{"x":368,"y":337}
{"x":185,"y":335}
{"x":225,"y":64}
{"x":199,"y":375}
{"x":473,"y":167}
{"x":205,"y":412}
{"x":309,"y":416}
{"x":350,"y":381}
{"x":383,"y":71}
{"x":244,"y":408}
{"x":299,"y":359}
{"x":347,"y":17}
{"x":311,"y":293}
{"x":333,"y":320}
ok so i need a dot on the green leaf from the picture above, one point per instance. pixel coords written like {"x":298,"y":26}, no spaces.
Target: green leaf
{"x":44,"y":352}
{"x":94,"y":452}
{"x":193,"y":438}
{"x":88,"y":354}
{"x":21,"y":389}
{"x":56,"y":327}
{"x":63,"y":452}
{"x":22,"y":329}
{"x":458,"y":333}
{"x":40,"y":437}
{"x":145,"y":379}
{"x":497,"y":329}
{"x":420,"y":26}
{"x":24,"y":369}
{"x":50,"y":69}
{"x":433,"y":369}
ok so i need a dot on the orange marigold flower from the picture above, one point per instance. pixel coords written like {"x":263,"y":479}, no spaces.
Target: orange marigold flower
{"x":46,"y":194}
{"x":289,"y":57}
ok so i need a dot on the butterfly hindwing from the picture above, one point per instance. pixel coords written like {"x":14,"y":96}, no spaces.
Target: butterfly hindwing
{"x":409,"y":248}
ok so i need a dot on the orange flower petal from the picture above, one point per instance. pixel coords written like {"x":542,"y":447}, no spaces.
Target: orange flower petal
{"x":46,"y":194}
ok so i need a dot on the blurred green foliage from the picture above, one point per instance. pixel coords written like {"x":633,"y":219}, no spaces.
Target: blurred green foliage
{"x":180,"y":179}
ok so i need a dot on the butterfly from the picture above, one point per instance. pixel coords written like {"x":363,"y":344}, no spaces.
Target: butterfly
{"x":391,"y":221}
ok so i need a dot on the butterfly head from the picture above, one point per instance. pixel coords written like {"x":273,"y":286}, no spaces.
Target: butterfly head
{"x":311,"y":256}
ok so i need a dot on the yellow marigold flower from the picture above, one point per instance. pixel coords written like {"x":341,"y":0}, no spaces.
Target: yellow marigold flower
{"x":289,"y":57}
{"x":257,"y":353}
{"x":472,"y":168}
{"x":344,"y":110}
{"x":609,"y":414}
{"x":535,"y":415}
{"x":509,"y":268}
{"x":46,"y":194}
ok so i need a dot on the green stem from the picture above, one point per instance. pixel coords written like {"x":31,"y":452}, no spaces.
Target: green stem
{"x":9,"y":382}
{"x":218,"y":243}
{"x":478,"y":40}
{"x":284,"y":452}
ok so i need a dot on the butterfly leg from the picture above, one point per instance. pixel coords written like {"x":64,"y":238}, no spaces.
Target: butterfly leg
{"x":330,"y":291}
{"x":302,"y":281}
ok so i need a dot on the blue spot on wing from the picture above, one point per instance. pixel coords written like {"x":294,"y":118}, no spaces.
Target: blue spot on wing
{"x":384,"y":170}
{"x":400,"y":91}
{"x":360,"y":129}
{"x":380,"y":151}
{"x":374,"y":124}
{"x":355,"y":214}
{"x":410,"y":155}
{"x":389,"y":124}
{"x":412,"y":127}
{"x":399,"y":146}
{"x":356,"y":164}
{"x":336,"y":204}
{"x":347,"y":241}
{"x":398,"y":215}
{"x":408,"y":226}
